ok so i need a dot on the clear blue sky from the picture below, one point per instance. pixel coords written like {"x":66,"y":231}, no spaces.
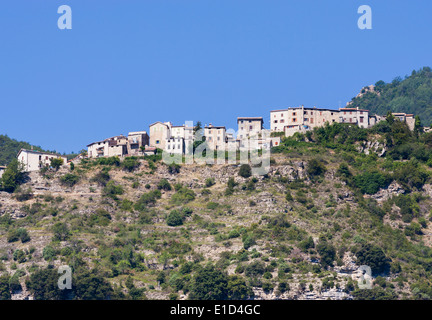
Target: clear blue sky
{"x":126,"y":64}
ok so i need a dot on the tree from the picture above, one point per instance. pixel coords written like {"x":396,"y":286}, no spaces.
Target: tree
{"x":238,"y":289}
{"x":174,"y":219}
{"x":327,"y":253}
{"x":61,"y":231}
{"x":374,"y":257}
{"x":90,"y":285}
{"x":56,"y":163}
{"x":164,"y":185}
{"x":245,"y":171}
{"x":43,"y":284}
{"x":4,"y":288}
{"x":13,"y":176}
{"x":209,"y":284}
{"x":315,"y":168}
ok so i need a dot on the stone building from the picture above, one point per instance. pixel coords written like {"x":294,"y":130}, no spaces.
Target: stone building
{"x":215,"y":137}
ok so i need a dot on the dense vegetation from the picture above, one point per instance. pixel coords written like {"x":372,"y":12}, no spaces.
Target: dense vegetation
{"x":410,"y":95}
{"x":9,"y":149}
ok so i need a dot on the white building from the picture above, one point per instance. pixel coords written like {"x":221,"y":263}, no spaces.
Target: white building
{"x":33,"y":160}
{"x":2,"y":169}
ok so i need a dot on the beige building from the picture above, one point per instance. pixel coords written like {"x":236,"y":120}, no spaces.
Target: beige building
{"x":249,"y":127}
{"x":33,"y":160}
{"x":408,"y":118}
{"x":159,"y":133}
{"x":356,"y":116}
{"x":302,"y":119}
{"x":215,"y":137}
{"x":111,"y":147}
{"x":135,"y":141}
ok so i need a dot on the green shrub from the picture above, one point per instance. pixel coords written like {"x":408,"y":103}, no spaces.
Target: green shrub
{"x":209,"y":182}
{"x":371,"y":181}
{"x":130,"y":164}
{"x":245,"y":171}
{"x":164,"y":185}
{"x":315,"y":168}
{"x":69,"y":179}
{"x":112,"y":190}
{"x":175,"y":218}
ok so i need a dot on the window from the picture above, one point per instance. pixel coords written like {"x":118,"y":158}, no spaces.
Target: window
{"x":281,"y":114}
{"x":157,"y":141}
{"x":294,"y":113}
{"x":282,"y":121}
{"x":306,"y":119}
{"x":250,"y":127}
{"x":276,"y":121}
{"x":320,"y":113}
{"x":332,"y":113}
{"x":305,"y":112}
{"x":361,"y":119}
{"x":311,"y":120}
{"x":344,"y":112}
{"x":311,"y":113}
{"x":294,"y":119}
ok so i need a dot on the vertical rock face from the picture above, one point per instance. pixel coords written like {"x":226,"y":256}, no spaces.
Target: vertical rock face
{"x":372,"y":146}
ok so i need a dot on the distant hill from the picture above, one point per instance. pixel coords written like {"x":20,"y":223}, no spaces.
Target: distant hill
{"x":411,"y":95}
{"x":9,"y":148}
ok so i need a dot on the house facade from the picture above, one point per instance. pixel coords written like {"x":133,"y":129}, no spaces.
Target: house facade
{"x":215,"y":137}
{"x":159,"y":133}
{"x":33,"y":160}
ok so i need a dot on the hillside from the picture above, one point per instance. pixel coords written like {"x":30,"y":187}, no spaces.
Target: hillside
{"x":9,"y":149}
{"x":413,"y":94}
{"x":334,"y":199}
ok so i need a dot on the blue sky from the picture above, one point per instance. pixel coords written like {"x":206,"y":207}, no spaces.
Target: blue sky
{"x":126,"y":64}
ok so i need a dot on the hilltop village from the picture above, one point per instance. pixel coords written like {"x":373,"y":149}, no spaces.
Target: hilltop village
{"x":179,"y":139}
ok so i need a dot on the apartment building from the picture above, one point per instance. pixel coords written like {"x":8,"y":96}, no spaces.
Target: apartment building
{"x":301,"y":119}
{"x":355,"y":116}
{"x":33,"y":160}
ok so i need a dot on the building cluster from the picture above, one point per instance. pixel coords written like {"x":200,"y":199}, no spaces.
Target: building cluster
{"x":301,"y":119}
{"x":180,"y":139}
